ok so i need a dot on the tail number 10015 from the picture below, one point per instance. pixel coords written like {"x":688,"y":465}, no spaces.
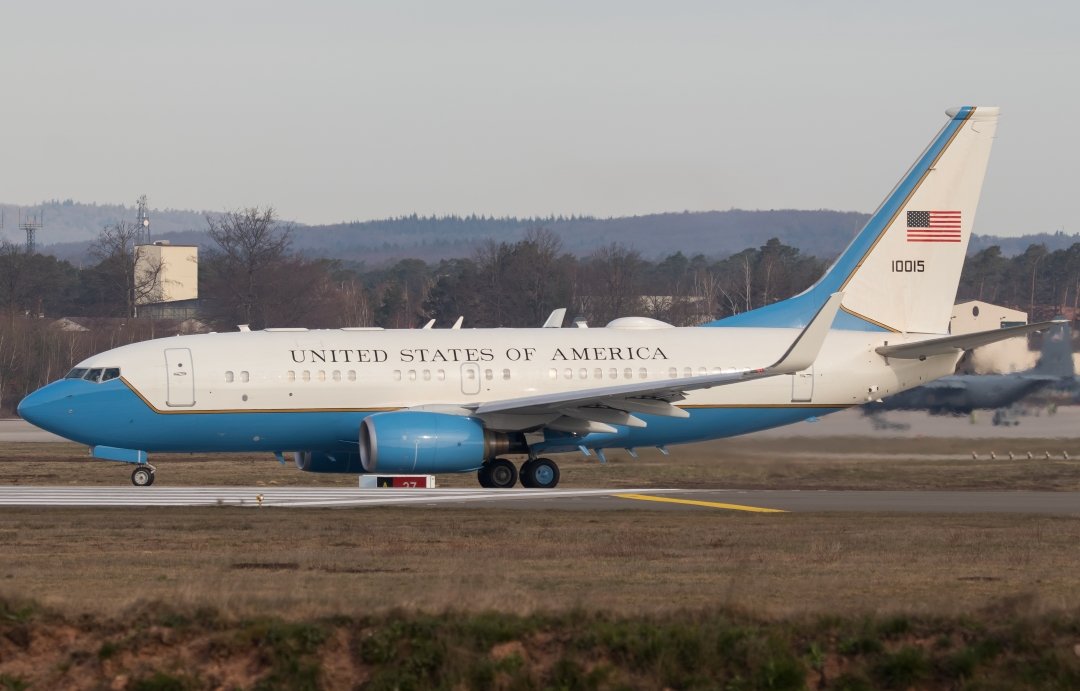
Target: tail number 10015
{"x":908,"y":266}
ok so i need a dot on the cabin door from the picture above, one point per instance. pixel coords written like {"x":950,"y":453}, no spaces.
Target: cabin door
{"x":181,"y":378}
{"x":802,"y":386}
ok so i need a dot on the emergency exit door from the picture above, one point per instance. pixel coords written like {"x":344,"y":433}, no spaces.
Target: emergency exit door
{"x":181,"y":378}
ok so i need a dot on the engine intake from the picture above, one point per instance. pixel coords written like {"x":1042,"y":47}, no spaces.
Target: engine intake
{"x":409,"y":441}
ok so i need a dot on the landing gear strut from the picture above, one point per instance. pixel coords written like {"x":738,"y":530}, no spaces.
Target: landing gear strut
{"x":143,"y":475}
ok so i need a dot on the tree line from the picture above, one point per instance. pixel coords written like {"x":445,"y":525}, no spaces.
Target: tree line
{"x":251,"y":274}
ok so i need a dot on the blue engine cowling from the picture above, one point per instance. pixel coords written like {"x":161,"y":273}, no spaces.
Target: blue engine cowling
{"x":322,"y":462}
{"x":414,"y":441}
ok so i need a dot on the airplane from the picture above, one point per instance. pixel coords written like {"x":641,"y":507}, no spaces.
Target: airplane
{"x":960,"y":394}
{"x":368,"y":400}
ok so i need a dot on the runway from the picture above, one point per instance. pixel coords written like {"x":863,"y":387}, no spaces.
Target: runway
{"x":757,"y":501}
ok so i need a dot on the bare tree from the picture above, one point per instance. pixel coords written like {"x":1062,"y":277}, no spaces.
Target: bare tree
{"x":133,"y":278}
{"x":250,"y":244}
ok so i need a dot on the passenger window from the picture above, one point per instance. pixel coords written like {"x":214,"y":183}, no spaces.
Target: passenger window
{"x":642,"y":373}
{"x":397,"y":375}
{"x":613,"y":373}
{"x":337,"y":375}
{"x":553,"y":373}
{"x":352,"y":375}
{"x":110,"y":373}
{"x":583,"y":373}
{"x":628,"y":373}
{"x":292,"y":375}
{"x":489,"y":375}
{"x":442,"y":375}
{"x":506,"y":374}
{"x":412,"y":375}
{"x":598,"y":373}
{"x":307,"y":375}
{"x":687,"y":372}
{"x":427,"y":375}
{"x":568,"y":373}
{"x":76,"y":373}
{"x":673,"y":372}
{"x":244,"y":377}
{"x":702,"y":371}
{"x":322,"y":375}
{"x":228,"y":377}
{"x":93,"y":375}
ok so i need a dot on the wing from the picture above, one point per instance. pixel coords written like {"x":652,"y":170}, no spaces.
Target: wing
{"x":596,"y":409}
{"x":946,"y":384}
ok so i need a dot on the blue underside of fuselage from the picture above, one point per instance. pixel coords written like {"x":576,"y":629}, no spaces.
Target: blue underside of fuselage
{"x":110,"y":414}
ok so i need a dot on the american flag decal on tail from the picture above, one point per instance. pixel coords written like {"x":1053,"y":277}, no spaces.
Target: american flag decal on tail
{"x":933,"y":226}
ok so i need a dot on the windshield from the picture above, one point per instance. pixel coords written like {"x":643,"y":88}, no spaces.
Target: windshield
{"x":96,"y":374}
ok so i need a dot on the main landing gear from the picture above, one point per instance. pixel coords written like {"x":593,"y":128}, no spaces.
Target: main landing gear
{"x":143,"y":475}
{"x":536,"y":473}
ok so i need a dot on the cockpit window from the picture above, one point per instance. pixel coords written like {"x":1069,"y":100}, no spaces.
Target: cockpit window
{"x":96,"y":374}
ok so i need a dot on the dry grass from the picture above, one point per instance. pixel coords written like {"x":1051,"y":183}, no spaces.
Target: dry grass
{"x":776,"y":463}
{"x":306,"y":563}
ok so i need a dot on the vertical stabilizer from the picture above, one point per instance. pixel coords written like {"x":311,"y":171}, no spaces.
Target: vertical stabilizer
{"x":901,"y":271}
{"x":908,"y":277}
{"x":1056,"y":359}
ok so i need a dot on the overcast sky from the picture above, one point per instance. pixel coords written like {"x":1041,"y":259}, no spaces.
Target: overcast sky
{"x":352,"y":110}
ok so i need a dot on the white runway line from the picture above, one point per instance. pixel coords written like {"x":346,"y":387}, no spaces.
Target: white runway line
{"x":293,"y":497}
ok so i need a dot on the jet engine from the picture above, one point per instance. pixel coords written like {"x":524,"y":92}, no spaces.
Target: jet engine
{"x":413,"y":441}
{"x":323,"y":462}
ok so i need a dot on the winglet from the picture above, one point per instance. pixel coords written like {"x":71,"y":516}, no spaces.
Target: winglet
{"x":804,"y":350}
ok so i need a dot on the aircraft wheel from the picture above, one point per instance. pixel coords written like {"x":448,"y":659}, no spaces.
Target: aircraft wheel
{"x":542,"y":473}
{"x":142,"y":477}
{"x":502,"y":473}
{"x":484,"y":476}
{"x":525,"y":474}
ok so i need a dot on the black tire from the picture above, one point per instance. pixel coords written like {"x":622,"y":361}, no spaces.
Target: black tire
{"x":484,"y":477}
{"x":542,"y":473}
{"x":525,"y":474}
{"x":142,"y":477}
{"x":502,"y":473}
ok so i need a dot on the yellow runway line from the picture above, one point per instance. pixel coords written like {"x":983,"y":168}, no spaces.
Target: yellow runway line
{"x":695,"y":502}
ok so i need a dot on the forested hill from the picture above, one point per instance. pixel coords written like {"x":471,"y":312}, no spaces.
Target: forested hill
{"x":70,"y":226}
{"x":69,"y":221}
{"x":713,"y":233}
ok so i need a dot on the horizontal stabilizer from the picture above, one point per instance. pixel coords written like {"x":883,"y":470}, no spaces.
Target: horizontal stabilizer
{"x":947,"y":345}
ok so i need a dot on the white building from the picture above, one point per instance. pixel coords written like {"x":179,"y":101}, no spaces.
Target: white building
{"x":176,"y":290}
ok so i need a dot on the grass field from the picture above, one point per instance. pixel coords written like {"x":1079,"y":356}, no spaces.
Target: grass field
{"x":397,"y":597}
{"x":776,"y":463}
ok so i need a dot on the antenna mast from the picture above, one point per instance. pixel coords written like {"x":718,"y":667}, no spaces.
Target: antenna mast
{"x":31,"y":224}
{"x":142,"y":219}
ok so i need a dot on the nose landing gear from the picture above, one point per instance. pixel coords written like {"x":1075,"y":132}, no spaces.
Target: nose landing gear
{"x":143,"y":475}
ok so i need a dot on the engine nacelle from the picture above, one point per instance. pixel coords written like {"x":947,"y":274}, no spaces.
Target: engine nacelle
{"x":323,"y":462}
{"x":414,"y":441}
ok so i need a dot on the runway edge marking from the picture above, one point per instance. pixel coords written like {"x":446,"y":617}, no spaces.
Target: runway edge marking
{"x":697,"y":502}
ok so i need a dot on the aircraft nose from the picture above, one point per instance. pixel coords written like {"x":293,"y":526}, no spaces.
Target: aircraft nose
{"x":40,"y":408}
